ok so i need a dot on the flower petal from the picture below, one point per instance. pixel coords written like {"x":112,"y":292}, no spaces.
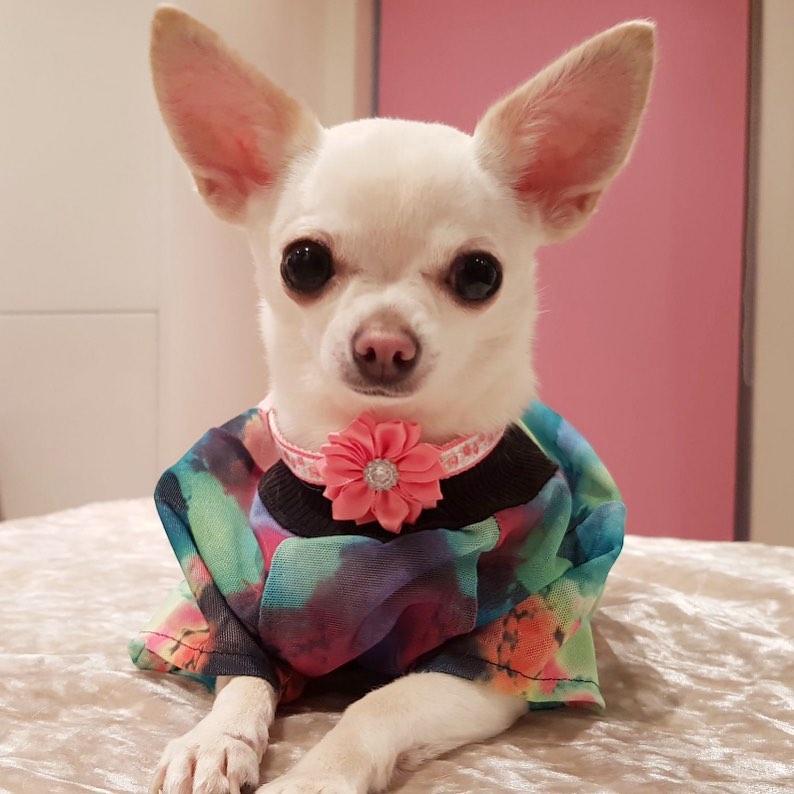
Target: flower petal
{"x":424,"y":459}
{"x":337,"y":471}
{"x":390,"y":509}
{"x":351,"y":452}
{"x":427,"y":494}
{"x":332,"y":491}
{"x":353,"y":501}
{"x":414,"y":511}
{"x":367,"y":518}
{"x":414,"y":433}
{"x":390,"y":439}
{"x":360,"y":431}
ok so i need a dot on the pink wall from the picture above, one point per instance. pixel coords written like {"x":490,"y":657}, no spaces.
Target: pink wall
{"x":640,"y":344}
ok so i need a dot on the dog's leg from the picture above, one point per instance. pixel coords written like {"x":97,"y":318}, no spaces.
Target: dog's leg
{"x":412,"y":719}
{"x":222,"y":753}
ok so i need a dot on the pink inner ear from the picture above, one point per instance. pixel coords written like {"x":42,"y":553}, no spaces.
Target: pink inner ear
{"x":219,"y":115}
{"x":577,"y":128}
{"x":570,"y":158}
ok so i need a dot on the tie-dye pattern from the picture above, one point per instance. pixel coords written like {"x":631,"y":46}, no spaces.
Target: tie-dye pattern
{"x":507,"y":600}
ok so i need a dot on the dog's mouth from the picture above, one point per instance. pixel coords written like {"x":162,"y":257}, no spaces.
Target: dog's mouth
{"x":389,"y":392}
{"x":383,"y":389}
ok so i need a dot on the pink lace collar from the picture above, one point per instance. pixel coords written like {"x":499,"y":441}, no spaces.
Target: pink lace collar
{"x":380,"y":471}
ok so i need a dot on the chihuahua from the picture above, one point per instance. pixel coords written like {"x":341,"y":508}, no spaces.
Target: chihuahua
{"x":395,"y":265}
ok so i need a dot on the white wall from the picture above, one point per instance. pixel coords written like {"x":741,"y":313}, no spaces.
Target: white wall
{"x":127,"y":312}
{"x":773,"y":400}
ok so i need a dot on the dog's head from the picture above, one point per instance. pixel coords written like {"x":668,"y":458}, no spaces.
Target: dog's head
{"x":395,"y":259}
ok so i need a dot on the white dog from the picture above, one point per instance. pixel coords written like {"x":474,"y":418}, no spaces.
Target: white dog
{"x":396,"y":272}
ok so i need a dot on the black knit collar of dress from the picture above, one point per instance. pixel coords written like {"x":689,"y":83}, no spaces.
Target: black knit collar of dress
{"x":511,"y":475}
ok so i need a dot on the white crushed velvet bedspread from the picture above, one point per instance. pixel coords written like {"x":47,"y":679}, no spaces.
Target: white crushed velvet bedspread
{"x":696,"y":645}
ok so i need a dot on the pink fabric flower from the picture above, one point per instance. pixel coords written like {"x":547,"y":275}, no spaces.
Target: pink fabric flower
{"x":380,"y":472}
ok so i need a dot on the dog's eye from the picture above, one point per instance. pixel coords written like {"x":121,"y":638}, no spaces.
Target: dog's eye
{"x":475,"y":277}
{"x":307,"y":266}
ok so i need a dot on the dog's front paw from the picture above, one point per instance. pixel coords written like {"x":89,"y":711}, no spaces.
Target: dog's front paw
{"x":209,"y":761}
{"x":297,"y":783}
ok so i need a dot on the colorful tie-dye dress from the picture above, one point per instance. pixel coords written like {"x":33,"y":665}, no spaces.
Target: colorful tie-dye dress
{"x":497,"y":584}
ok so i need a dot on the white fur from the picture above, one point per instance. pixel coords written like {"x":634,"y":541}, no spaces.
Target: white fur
{"x":395,"y":202}
{"x":415,"y":195}
{"x":223,"y":752}
{"x":404,"y":723}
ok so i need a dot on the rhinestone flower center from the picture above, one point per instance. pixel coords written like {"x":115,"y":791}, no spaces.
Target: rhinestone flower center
{"x":381,"y":474}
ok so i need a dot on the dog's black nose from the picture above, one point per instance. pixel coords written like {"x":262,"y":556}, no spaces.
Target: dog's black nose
{"x":385,"y":355}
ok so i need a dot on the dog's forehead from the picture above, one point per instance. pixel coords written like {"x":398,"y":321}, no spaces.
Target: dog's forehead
{"x":405,"y":142}
{"x":386,"y":172}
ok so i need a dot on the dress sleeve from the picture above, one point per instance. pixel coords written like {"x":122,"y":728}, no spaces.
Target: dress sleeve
{"x":179,"y":639}
{"x":207,"y":627}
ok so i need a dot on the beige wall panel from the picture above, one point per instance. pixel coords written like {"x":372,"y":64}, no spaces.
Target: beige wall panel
{"x":773,"y":417}
{"x":79,"y":147}
{"x":78,"y":415}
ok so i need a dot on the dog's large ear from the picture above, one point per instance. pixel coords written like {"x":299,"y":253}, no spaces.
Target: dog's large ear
{"x":235,"y":129}
{"x":559,"y":139}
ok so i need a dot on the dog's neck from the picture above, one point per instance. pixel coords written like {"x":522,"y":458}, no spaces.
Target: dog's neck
{"x":307,"y":422}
